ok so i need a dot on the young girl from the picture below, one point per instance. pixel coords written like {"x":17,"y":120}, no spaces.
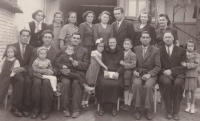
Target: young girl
{"x":129,"y":63}
{"x":40,"y":64}
{"x":191,"y":75}
{"x":8,"y":64}
{"x":65,"y":62}
{"x":93,"y":70}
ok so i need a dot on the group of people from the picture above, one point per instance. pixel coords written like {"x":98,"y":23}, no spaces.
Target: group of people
{"x":103,"y":59}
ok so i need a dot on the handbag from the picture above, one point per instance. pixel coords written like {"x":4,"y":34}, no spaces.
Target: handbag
{"x":110,"y":75}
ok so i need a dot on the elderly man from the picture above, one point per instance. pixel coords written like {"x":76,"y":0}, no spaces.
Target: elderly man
{"x":42,"y":93}
{"x":145,"y":75}
{"x":172,"y":75}
{"x":72,"y":87}
{"x":21,"y":82}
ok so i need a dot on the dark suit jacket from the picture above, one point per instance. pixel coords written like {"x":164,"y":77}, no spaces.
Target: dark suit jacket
{"x":151,"y":63}
{"x":52,"y":55}
{"x":82,"y":56}
{"x":27,"y":55}
{"x":174,"y":62}
{"x":126,"y":30}
{"x":87,"y":36}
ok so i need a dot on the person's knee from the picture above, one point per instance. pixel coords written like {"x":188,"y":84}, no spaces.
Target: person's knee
{"x":65,"y":82}
{"x":137,"y":82}
{"x":179,"y":82}
{"x":37,"y":81}
{"x":46,"y":81}
{"x":166,"y":81}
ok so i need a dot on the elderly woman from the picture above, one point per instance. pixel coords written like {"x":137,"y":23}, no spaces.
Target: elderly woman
{"x":164,"y":24}
{"x":36,"y":27}
{"x":108,"y":88}
{"x":145,"y":20}
{"x":55,"y":27}
{"x":86,"y":31}
{"x":103,"y":29}
{"x":68,"y":29}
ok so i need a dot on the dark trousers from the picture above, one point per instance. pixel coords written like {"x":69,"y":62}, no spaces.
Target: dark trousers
{"x":21,"y":92}
{"x":143,"y":92}
{"x":172,"y":93}
{"x":42,"y":95}
{"x":80,"y":77}
{"x":71,"y":88}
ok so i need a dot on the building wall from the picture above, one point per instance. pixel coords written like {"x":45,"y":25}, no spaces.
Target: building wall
{"x":51,"y":7}
{"x":7,"y":29}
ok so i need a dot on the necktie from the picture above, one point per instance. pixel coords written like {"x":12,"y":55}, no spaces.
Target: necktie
{"x":117,"y":25}
{"x":168,"y":51}
{"x":23,"y":51}
{"x":143,"y":53}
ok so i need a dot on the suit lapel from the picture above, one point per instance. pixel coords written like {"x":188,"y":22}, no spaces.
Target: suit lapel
{"x":89,"y":26}
{"x":121,"y":27}
{"x":148,"y":52}
{"x":26,"y":53}
{"x":173,"y":54}
{"x":140,"y":53}
{"x":127,"y":55}
{"x":165,"y":53}
{"x":19,"y":51}
{"x":50,"y":52}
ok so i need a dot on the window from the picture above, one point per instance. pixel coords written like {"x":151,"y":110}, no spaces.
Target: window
{"x":134,"y":7}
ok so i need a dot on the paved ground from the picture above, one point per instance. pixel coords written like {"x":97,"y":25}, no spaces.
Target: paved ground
{"x":91,"y":115}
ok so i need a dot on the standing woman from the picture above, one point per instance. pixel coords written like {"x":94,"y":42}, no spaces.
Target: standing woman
{"x":68,"y":29}
{"x":55,"y":27}
{"x":164,"y":24}
{"x":108,"y":90}
{"x":86,"y":31}
{"x":145,"y":20}
{"x":37,"y":27}
{"x":103,"y":29}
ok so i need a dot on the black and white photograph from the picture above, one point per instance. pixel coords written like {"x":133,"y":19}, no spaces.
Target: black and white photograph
{"x":100,"y":60}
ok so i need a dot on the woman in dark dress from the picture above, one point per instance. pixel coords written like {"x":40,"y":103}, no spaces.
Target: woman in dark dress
{"x":145,"y":20}
{"x":108,"y":90}
{"x":55,"y":27}
{"x":86,"y":31}
{"x":37,"y":27}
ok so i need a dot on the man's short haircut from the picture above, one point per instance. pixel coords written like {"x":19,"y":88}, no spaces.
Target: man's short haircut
{"x":119,"y":8}
{"x":127,"y":39}
{"x":145,"y":32}
{"x":25,"y":30}
{"x":49,"y":32}
{"x":76,"y":33}
{"x":36,"y":12}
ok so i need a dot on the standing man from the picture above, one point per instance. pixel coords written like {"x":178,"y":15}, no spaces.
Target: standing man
{"x":122,"y":28}
{"x":21,"y":82}
{"x":41,"y":91}
{"x":148,"y":65}
{"x":73,"y":87}
{"x":172,"y":75}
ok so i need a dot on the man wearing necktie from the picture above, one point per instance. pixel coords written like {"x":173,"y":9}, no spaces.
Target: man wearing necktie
{"x":171,"y":77}
{"x":22,"y":82}
{"x":145,"y":75}
{"x":122,"y":28}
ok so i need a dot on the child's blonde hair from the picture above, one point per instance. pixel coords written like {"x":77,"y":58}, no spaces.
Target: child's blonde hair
{"x":41,"y":48}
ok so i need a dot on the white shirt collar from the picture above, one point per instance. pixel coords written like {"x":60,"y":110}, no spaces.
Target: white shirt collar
{"x":48,"y":47}
{"x":125,"y":52}
{"x":170,"y":48}
{"x":39,"y":27}
{"x":120,"y":22}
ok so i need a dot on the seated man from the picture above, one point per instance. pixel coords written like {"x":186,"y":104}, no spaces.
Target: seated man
{"x":41,"y":91}
{"x":172,"y":75}
{"x":145,"y":75}
{"x":80,"y":63}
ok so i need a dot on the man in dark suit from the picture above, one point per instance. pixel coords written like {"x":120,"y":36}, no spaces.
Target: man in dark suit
{"x":81,"y":63}
{"x":122,"y":28}
{"x":42,"y":92}
{"x":148,"y":65}
{"x":21,"y":82}
{"x":172,"y":75}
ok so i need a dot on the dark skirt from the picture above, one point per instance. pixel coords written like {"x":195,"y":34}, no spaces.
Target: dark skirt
{"x":108,"y":90}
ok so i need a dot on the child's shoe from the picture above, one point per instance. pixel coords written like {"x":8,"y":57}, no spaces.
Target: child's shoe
{"x":188,"y":108}
{"x":57,"y":93}
{"x":192,"y":111}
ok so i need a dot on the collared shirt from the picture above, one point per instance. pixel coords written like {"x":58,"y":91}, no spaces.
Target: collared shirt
{"x":170,"y":49}
{"x":39,"y":26}
{"x":125,"y":52}
{"x":145,"y":48}
{"x":48,"y":47}
{"x":119,"y":22}
{"x":21,"y":47}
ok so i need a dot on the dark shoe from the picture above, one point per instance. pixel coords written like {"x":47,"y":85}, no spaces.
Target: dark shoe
{"x":123,"y":106}
{"x":25,"y":113}
{"x":16,"y":112}
{"x":34,"y":115}
{"x":66,"y":113}
{"x":148,"y":115}
{"x":44,"y":116}
{"x":168,"y":116}
{"x":101,"y":112}
{"x":137,"y":114}
{"x":57,"y":93}
{"x":176,"y":117}
{"x":114,"y":111}
{"x":127,"y":107}
{"x":75,"y":114}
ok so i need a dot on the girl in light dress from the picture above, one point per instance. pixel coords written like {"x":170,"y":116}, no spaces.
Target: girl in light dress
{"x":93,"y":70}
{"x":191,"y":76}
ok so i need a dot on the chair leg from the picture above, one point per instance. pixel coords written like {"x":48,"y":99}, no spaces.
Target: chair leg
{"x":98,"y":107}
{"x":155,"y":100}
{"x":6,"y":101}
{"x":118,"y":104}
{"x":58,"y":102}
